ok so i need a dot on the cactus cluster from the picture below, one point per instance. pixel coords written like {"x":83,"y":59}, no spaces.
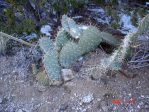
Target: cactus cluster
{"x":71,"y":42}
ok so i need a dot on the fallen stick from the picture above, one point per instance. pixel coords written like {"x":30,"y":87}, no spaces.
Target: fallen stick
{"x":16,"y":39}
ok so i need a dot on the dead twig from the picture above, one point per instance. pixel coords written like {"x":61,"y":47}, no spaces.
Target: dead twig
{"x":16,"y":39}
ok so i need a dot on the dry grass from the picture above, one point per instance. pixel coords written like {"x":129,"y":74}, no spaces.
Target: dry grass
{"x":140,"y":57}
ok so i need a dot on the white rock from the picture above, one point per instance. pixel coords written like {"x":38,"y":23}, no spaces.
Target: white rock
{"x":83,"y":27}
{"x":88,"y":98}
{"x":67,"y":74}
{"x":46,"y":29}
{"x":77,"y":17}
{"x":31,"y":36}
{"x":80,"y":59}
{"x":147,"y":4}
{"x":19,"y":110}
{"x":97,"y":10}
{"x":126,"y":24}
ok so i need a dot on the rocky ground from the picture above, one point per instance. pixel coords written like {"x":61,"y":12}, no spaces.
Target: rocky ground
{"x":88,"y":91}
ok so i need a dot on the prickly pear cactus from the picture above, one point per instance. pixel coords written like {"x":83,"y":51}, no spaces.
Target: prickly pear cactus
{"x":71,"y":42}
{"x":71,"y":27}
{"x":144,"y":25}
{"x":109,"y":39}
{"x":69,"y":54}
{"x":51,"y":65}
{"x":46,"y":44}
{"x":61,"y":39}
{"x":90,"y":39}
{"x":115,"y":61}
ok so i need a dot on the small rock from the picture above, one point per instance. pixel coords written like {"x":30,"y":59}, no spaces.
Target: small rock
{"x":55,"y":82}
{"x":31,"y":36}
{"x":46,"y":29}
{"x":67,"y":74}
{"x":77,"y":66}
{"x":19,"y":110}
{"x":68,"y":86}
{"x":104,"y":80}
{"x":1,"y":100}
{"x":41,"y":88}
{"x":104,"y":106}
{"x":88,"y":98}
{"x":63,"y":107}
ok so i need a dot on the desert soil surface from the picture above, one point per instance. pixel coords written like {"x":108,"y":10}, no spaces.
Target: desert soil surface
{"x":88,"y":91}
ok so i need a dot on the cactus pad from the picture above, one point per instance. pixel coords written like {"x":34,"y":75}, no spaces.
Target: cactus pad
{"x":71,"y":27}
{"x":46,"y":44}
{"x":61,"y":39}
{"x":109,"y":39}
{"x":51,"y":64}
{"x":90,"y":39}
{"x":69,"y":54}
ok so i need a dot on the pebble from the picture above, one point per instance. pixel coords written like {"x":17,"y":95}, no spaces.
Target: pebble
{"x":87,"y":99}
{"x":19,"y":110}
{"x":67,"y":74}
{"x":41,"y":88}
{"x":46,"y":29}
{"x":63,"y":107}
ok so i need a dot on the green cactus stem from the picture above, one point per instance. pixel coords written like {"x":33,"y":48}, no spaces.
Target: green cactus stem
{"x":51,"y":65}
{"x":61,"y":39}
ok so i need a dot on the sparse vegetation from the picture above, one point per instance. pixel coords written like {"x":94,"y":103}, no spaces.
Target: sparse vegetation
{"x":86,"y":60}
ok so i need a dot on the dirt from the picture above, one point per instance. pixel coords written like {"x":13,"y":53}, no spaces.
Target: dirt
{"x":89,"y":91}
